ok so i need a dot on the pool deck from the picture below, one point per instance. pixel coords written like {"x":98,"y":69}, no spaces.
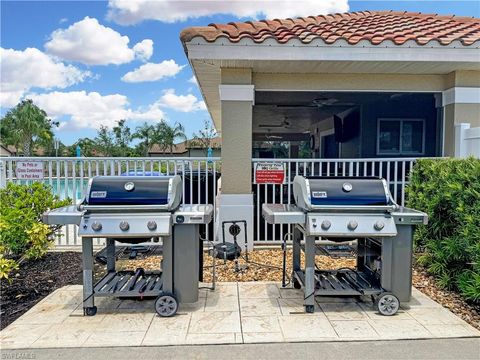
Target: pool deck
{"x":235,"y":313}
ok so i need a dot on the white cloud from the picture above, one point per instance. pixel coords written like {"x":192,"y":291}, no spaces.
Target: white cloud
{"x":182,"y":103}
{"x":90,"y":110}
{"x":91,"y":43}
{"x":129,"y":12}
{"x":193,"y":80}
{"x":153,"y":72}
{"x":144,"y":49}
{"x":31,"y":68}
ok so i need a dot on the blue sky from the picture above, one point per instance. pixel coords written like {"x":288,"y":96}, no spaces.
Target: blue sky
{"x":81,"y":85}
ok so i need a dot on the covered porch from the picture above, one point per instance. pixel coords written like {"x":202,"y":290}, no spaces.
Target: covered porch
{"x":336,"y":94}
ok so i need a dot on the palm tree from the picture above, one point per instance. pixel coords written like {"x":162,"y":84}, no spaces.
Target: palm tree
{"x":25,"y":126}
{"x":145,"y":133}
{"x":166,"y":135}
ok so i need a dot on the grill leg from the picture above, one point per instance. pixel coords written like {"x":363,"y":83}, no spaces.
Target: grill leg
{"x":296,"y":257}
{"x":297,"y":235}
{"x":110,"y":255}
{"x":87,"y":259}
{"x":309,"y":301}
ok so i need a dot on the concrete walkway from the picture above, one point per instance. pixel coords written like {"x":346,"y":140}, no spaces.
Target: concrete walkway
{"x":235,"y":313}
{"x":435,"y":349}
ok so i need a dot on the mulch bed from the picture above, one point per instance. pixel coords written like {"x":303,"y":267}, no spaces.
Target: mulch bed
{"x":37,"y":279}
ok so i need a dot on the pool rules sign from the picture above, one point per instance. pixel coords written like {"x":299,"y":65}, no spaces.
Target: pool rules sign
{"x":269,"y":173}
{"x":29,"y":170}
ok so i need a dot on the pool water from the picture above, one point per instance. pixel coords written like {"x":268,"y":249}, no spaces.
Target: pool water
{"x":64,"y":188}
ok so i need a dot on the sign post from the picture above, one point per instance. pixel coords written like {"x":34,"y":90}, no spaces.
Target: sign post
{"x":269,"y":173}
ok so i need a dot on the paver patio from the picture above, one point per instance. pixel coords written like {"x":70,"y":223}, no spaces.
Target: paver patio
{"x":252,"y":312}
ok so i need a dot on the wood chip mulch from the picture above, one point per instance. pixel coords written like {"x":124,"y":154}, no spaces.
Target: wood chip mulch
{"x":36,"y":279}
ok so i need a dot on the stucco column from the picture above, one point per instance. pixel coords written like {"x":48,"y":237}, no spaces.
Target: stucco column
{"x":461,"y":105}
{"x":236,"y":199}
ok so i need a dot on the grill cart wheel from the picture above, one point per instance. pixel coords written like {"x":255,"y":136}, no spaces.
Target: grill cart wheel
{"x":309,"y":309}
{"x":296,"y":284}
{"x":387,"y":304}
{"x":166,"y":304}
{"x":90,"y":311}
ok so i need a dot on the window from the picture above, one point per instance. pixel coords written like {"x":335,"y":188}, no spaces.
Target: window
{"x":401,"y":136}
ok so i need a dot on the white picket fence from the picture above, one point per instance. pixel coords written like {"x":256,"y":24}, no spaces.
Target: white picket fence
{"x":68,"y":178}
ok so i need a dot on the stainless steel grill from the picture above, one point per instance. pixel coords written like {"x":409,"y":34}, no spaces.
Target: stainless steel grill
{"x":135,"y":209}
{"x":345,"y":209}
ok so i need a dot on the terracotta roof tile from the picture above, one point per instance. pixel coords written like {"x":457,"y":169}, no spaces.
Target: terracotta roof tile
{"x":374,"y":26}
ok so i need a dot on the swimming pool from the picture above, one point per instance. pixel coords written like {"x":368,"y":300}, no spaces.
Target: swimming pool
{"x":63,"y":187}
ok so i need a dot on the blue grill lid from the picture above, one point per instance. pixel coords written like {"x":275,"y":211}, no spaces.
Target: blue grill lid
{"x":345,"y":191}
{"x":128,"y":190}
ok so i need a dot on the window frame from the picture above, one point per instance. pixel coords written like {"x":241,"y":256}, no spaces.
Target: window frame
{"x":401,"y":151}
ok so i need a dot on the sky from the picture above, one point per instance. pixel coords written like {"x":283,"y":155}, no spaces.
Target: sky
{"x":92,"y":63}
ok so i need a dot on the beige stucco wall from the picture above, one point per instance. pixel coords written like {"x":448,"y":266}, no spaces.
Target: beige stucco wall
{"x":463,"y":78}
{"x":459,"y":112}
{"x":456,"y":114}
{"x":236,"y":147}
{"x":236,"y":137}
{"x":349,"y":82}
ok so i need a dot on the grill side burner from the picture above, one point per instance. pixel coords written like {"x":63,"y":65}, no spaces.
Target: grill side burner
{"x":347,"y":209}
{"x":137,"y":209}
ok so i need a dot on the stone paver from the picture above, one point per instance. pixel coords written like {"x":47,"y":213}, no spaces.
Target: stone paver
{"x":259,"y":312}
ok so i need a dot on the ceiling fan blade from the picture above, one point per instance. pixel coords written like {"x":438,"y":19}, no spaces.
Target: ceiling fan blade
{"x":340,"y":104}
{"x":271,"y":126}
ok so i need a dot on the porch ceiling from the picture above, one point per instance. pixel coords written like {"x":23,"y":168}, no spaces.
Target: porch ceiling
{"x":291,"y":115}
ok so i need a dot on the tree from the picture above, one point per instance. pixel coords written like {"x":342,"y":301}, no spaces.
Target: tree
{"x":104,"y":141}
{"x":87,"y":146}
{"x":166,"y":135}
{"x":145,"y":133}
{"x":205,"y":136}
{"x":26,"y":126}
{"x":122,"y":137}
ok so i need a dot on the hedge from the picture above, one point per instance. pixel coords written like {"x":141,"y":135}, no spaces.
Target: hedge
{"x":448,"y":190}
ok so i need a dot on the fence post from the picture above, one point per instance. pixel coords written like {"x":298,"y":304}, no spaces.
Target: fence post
{"x":3,"y":175}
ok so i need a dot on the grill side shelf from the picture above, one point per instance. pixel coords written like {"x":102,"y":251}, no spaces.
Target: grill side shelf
{"x":120,"y":283}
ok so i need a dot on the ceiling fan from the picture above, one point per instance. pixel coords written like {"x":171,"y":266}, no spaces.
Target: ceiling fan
{"x":317,"y":103}
{"x":284,"y":124}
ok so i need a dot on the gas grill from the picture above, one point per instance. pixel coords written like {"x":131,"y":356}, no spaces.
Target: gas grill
{"x":136,"y":209}
{"x":344,"y":209}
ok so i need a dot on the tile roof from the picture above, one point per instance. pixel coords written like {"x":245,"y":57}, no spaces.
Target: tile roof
{"x":374,"y":26}
{"x":183,"y":147}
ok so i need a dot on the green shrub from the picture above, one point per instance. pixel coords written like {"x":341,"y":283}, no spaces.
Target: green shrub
{"x":448,"y":190}
{"x":22,"y":235}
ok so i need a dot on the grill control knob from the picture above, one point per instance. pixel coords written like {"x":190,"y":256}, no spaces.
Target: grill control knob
{"x":352,"y":225}
{"x":96,"y":226}
{"x":326,"y":224}
{"x":124,"y":226}
{"x":379,"y":225}
{"x":152,"y":225}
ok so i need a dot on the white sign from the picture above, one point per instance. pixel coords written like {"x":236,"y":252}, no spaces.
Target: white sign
{"x":29,"y":170}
